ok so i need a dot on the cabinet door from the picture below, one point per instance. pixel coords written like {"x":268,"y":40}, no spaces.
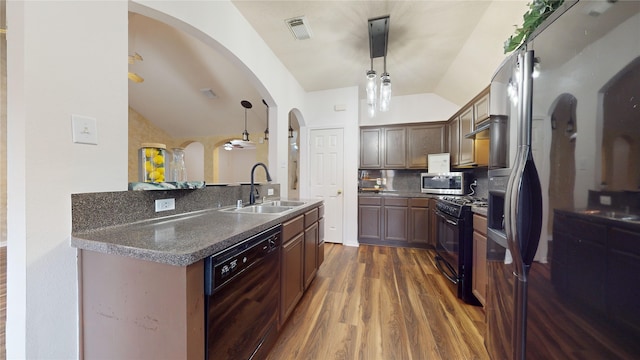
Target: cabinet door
{"x":467,"y":149}
{"x":419,"y":225}
{"x":481,"y":109}
{"x":320,"y":242}
{"x":370,"y":148}
{"x":310,"y":253}
{"x":370,"y":219}
{"x":479,"y":267}
{"x":396,"y":219}
{"x":422,"y":141}
{"x":454,"y":140}
{"x":291,"y":277}
{"x":433,"y":220}
{"x":395,"y":148}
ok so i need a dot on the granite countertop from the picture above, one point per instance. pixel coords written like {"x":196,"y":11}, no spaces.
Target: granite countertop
{"x":480,"y":210}
{"x":612,"y":217}
{"x":182,"y":239}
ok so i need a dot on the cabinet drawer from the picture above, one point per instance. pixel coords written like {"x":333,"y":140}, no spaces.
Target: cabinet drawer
{"x":419,"y":202}
{"x":310,"y":217}
{"x":292,"y":227}
{"x":370,"y":200}
{"x":396,"y":202}
{"x":480,"y":224}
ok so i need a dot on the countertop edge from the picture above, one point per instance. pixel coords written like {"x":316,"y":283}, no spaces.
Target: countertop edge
{"x":88,"y":240}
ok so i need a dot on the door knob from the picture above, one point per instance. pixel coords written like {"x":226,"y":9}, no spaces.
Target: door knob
{"x":340,"y":192}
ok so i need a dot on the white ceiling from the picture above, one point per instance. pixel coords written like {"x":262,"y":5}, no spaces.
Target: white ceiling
{"x":449,"y":48}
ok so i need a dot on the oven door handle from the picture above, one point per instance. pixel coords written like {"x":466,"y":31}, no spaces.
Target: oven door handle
{"x":445,"y":218}
{"x":450,"y":274}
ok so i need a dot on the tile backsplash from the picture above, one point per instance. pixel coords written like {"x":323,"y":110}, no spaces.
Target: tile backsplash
{"x":409,"y":180}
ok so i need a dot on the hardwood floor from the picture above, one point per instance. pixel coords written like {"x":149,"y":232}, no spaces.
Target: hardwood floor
{"x":377,"y":302}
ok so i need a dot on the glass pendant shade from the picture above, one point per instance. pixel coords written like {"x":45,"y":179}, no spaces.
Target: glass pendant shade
{"x":385,"y":92}
{"x":371,"y":87}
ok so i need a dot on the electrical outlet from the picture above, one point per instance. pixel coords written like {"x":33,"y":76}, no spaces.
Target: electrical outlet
{"x":165,"y":204}
{"x":605,"y":200}
{"x":269,"y":191}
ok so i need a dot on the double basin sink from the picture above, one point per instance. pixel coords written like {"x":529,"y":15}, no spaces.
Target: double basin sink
{"x":272,"y":207}
{"x":616,"y":215}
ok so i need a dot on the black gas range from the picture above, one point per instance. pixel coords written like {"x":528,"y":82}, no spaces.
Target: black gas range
{"x":454,"y":245}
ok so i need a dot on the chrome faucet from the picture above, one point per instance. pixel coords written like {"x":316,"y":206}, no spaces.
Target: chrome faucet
{"x":252,"y":195}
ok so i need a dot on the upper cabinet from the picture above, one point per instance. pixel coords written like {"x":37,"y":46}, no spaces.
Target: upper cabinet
{"x":469,"y":152}
{"x":401,"y":146}
{"x":423,"y":140}
{"x":370,"y":148}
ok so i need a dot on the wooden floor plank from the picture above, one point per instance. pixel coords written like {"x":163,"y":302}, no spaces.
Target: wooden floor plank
{"x":376,"y":302}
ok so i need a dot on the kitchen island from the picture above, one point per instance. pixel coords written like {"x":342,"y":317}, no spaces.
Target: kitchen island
{"x":141,"y":284}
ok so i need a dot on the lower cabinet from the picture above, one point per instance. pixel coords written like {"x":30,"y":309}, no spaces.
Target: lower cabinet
{"x":419,"y":222}
{"x":396,"y":218}
{"x":479,"y":267}
{"x":302,"y":254}
{"x":395,"y":221}
{"x":291,"y":278}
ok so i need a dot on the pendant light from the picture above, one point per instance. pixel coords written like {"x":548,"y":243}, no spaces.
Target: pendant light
{"x":266,"y":131}
{"x":290,"y":129}
{"x":246,"y":105}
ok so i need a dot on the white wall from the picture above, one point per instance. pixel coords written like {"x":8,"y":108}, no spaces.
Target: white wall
{"x":321,"y":114}
{"x":235,"y":166}
{"x":411,"y":109}
{"x":63,"y":58}
{"x":498,"y":21}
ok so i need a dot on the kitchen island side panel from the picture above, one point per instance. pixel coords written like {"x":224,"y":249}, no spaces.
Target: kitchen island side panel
{"x":139,"y":309}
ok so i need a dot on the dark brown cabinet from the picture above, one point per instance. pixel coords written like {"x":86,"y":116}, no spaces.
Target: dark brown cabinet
{"x":401,"y":146}
{"x":291,"y":281}
{"x":479,"y":270}
{"x":302,"y":254}
{"x":370,"y":148}
{"x":423,"y":140}
{"x":369,"y":218}
{"x":467,"y":152}
{"x":394,"y":148}
{"x":454,"y":140}
{"x":310,"y":246}
{"x":396,"y":219}
{"x":419,"y":222}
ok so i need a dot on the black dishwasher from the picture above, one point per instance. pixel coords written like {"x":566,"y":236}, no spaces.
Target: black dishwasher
{"x":242,"y":296}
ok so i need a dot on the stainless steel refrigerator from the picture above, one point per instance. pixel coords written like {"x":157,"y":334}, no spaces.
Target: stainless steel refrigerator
{"x":564,"y":210}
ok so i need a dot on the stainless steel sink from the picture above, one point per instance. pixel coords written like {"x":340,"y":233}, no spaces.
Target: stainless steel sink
{"x":260,"y":209}
{"x":284,"y":203}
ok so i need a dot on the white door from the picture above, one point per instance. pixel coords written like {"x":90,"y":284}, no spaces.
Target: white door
{"x":326,"y":178}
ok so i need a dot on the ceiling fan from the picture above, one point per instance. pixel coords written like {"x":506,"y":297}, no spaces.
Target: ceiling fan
{"x":133,"y":76}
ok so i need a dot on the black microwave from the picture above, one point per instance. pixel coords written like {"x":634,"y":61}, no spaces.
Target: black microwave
{"x":451,"y":183}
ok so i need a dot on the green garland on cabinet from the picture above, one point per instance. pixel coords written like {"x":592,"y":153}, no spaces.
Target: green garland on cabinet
{"x":538,"y":11}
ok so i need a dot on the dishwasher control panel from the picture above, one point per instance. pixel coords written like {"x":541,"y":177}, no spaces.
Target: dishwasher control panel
{"x":220,"y":268}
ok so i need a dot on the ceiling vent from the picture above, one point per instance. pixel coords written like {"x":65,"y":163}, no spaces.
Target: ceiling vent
{"x":299,"y":28}
{"x":208,"y":93}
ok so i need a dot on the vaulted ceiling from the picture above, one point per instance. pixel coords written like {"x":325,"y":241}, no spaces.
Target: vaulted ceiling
{"x":449,"y":48}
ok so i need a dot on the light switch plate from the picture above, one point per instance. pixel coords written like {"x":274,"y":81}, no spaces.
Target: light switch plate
{"x":85,"y":129}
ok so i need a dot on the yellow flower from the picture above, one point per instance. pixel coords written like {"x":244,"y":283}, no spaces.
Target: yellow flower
{"x":150,"y":152}
{"x":160,"y":170}
{"x":148,"y":166}
{"x":154,"y":175}
{"x":158,"y":159}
